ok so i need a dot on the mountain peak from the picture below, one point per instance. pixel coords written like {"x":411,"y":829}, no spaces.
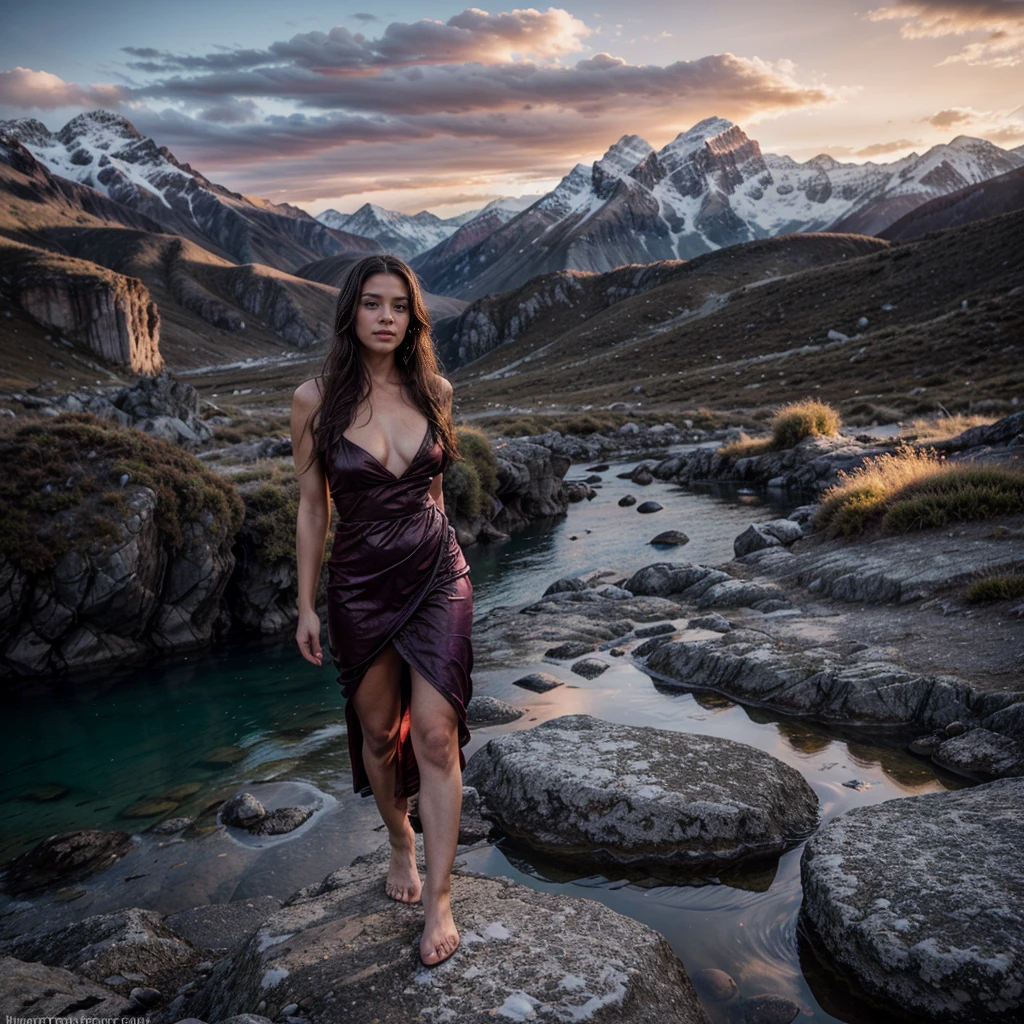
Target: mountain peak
{"x":97,"y":126}
{"x":685,"y":144}
{"x":824,"y":162}
{"x":624,"y":157}
{"x":967,"y":142}
{"x":28,"y":131}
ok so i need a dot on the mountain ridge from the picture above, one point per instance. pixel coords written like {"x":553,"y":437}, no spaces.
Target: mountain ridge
{"x":709,"y":187}
{"x":105,"y":151}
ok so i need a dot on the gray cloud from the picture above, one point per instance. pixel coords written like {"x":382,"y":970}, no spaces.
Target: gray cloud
{"x":951,"y":116}
{"x":601,"y":84}
{"x":471,"y":36}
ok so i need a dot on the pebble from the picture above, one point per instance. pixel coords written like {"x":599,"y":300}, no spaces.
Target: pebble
{"x":714,"y":984}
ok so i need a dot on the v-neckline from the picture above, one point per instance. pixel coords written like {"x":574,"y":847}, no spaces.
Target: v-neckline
{"x":412,"y":462}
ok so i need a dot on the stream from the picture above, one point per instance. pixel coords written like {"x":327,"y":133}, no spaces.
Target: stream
{"x":189,"y":732}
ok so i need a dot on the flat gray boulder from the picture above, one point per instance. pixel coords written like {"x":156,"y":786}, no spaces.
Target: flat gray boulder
{"x":983,"y":753}
{"x":524,"y":955}
{"x":921,"y":900}
{"x":623,"y":794}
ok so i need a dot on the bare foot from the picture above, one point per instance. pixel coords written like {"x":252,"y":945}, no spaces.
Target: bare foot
{"x":440,"y":936}
{"x":403,"y":881}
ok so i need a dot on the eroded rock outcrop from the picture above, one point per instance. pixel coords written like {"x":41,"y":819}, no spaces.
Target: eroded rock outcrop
{"x":814,"y":464}
{"x":920,"y":901}
{"x":162,"y":406}
{"x":121,"y":547}
{"x":529,"y":485}
{"x":833,"y":682}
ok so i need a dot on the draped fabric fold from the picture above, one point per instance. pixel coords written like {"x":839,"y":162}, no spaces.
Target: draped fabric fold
{"x":397,"y":574}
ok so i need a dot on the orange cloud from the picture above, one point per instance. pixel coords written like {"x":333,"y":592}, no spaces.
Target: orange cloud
{"x":1003,"y":24}
{"x":27,"y":89}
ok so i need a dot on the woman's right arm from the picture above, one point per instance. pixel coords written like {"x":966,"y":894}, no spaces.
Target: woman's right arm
{"x":313,"y":520}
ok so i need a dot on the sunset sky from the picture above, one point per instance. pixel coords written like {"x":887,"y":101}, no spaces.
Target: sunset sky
{"x":432,"y":105}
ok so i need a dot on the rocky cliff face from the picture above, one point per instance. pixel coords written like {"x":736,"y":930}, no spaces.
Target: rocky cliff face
{"x":564,"y":295}
{"x":113,"y":314}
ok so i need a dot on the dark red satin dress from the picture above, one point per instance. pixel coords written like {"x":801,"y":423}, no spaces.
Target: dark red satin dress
{"x":397,"y":575}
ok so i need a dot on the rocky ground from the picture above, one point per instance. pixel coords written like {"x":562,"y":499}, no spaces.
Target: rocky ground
{"x":873,"y":633}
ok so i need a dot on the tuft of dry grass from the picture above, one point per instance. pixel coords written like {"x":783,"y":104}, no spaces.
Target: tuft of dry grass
{"x":790,"y":425}
{"x":914,"y":489}
{"x":942,"y":428}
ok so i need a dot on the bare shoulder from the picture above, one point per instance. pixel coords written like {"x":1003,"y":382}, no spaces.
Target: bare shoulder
{"x":307,"y":395}
{"x":445,"y":386}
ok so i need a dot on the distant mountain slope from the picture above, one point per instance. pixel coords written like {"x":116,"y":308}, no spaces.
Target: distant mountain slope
{"x":708,"y":188}
{"x":105,"y":151}
{"x":397,"y":233}
{"x":908,"y":325}
{"x":538,"y":313}
{"x":408,"y":236}
{"x":333,"y":270}
{"x":1001,"y":194}
{"x":209,"y":308}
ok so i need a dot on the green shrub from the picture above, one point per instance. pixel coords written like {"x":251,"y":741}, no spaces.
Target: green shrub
{"x":996,"y":588}
{"x":960,"y":494}
{"x":271,"y":514}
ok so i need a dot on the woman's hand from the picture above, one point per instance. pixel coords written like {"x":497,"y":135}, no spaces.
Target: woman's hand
{"x":307,"y":636}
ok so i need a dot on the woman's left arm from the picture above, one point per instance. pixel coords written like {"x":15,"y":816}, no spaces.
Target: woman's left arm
{"x":437,"y":484}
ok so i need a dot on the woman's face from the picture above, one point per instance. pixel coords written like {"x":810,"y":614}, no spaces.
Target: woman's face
{"x":382,"y":313}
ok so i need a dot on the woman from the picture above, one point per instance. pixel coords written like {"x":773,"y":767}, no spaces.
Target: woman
{"x":399,"y":597}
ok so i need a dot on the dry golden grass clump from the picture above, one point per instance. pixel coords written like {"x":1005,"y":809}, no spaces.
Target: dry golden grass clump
{"x":942,"y":428}
{"x":914,"y":489}
{"x":790,"y":425}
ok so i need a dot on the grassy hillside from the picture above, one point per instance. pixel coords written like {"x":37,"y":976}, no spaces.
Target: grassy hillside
{"x":944,"y":324}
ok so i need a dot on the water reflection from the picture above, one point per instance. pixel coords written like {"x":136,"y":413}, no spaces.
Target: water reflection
{"x":754,"y":874}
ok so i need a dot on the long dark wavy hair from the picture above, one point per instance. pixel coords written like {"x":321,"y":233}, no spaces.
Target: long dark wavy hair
{"x":344,"y":382}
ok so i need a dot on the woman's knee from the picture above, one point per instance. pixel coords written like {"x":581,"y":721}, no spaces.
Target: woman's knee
{"x":380,"y":737}
{"x":436,"y":743}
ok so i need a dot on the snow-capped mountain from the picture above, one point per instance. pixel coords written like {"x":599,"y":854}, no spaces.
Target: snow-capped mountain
{"x":106,"y":152}
{"x":709,"y":187}
{"x":408,"y":236}
{"x":403,"y":234}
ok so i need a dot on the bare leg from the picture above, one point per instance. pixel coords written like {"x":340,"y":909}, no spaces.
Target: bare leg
{"x":377,"y":704}
{"x":436,"y":745}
